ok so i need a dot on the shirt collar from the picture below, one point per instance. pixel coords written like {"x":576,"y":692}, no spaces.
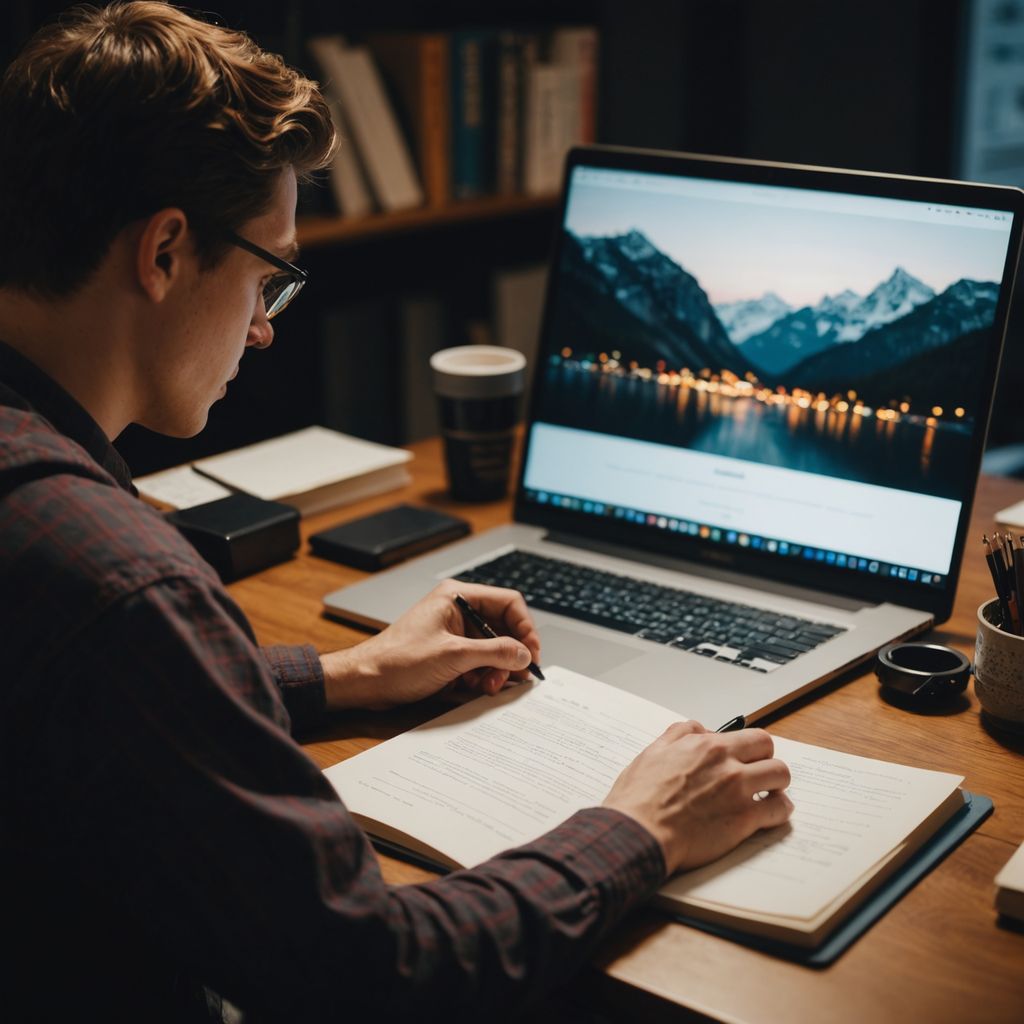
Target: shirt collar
{"x":42,"y":394}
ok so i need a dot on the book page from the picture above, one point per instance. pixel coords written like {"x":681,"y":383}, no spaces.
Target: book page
{"x":501,"y":771}
{"x":181,"y":487}
{"x":849,"y":813}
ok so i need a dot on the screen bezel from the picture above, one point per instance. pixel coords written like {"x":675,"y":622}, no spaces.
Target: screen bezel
{"x":937,"y":601}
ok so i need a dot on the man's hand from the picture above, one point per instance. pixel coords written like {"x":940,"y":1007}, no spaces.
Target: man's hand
{"x":428,"y":649}
{"x":697,"y":792}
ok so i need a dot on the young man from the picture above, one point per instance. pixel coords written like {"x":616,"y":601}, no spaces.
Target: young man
{"x":163,"y":838}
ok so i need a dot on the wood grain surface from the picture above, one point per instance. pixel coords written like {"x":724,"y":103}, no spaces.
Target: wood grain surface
{"x":939,"y":955}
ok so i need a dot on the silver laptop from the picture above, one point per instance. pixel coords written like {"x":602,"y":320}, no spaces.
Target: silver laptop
{"x":757,"y":416}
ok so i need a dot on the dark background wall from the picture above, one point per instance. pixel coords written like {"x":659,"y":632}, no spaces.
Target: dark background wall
{"x":875,"y":85}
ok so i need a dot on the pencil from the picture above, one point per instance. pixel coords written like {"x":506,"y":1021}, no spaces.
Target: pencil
{"x":998,"y":578}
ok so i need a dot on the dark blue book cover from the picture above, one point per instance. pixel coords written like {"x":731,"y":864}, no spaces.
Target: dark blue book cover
{"x":473,"y":56}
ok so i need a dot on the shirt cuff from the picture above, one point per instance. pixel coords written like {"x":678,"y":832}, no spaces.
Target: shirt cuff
{"x":300,"y":678}
{"x":610,"y":853}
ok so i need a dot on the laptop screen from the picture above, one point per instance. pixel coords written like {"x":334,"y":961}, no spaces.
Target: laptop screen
{"x":805,"y":373}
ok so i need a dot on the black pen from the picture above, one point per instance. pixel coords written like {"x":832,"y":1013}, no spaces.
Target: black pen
{"x":739,"y":722}
{"x":474,"y":616}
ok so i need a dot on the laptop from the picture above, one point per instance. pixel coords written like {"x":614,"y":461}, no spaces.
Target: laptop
{"x":755,"y":427}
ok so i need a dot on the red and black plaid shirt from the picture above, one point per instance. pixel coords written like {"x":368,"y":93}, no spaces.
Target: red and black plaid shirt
{"x":162,"y":831}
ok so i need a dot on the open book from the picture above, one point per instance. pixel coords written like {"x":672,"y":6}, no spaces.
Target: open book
{"x":501,"y":771}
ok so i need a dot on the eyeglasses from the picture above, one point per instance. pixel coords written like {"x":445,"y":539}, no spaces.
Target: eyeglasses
{"x":283,"y":286}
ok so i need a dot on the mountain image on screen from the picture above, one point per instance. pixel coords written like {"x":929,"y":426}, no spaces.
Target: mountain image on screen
{"x":621,"y":293}
{"x":845,"y":317}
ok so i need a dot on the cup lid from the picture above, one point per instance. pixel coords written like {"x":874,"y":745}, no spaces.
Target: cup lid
{"x":478,"y":371}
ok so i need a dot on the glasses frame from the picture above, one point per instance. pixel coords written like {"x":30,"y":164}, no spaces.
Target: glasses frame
{"x":295,"y":275}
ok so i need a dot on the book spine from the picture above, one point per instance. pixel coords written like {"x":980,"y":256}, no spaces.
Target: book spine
{"x":467,"y":64}
{"x":435,"y":119}
{"x":415,"y":67}
{"x":509,"y":101}
{"x":577,"y":48}
{"x":347,"y":176}
{"x":376,"y":130}
{"x":544,"y":136}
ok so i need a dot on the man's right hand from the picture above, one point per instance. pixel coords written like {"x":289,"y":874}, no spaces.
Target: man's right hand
{"x":694,"y":791}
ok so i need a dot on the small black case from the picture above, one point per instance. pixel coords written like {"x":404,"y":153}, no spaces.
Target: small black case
{"x":239,"y":535}
{"x":384,"y":538}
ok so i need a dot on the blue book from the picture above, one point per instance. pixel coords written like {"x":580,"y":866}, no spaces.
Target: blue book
{"x":473,"y":72}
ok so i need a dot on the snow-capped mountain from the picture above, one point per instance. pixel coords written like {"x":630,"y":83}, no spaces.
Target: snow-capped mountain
{"x":964,"y":307}
{"x":837,"y":319}
{"x":622,"y":292}
{"x":748,"y":317}
{"x":892,"y":299}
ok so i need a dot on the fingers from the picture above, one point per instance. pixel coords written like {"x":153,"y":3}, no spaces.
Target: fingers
{"x":774,"y":810}
{"x":504,"y":653}
{"x":768,"y":775}
{"x":504,"y":609}
{"x":748,"y":745}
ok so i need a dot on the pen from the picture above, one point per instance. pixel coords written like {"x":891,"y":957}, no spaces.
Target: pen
{"x":474,"y":616}
{"x":739,"y":722}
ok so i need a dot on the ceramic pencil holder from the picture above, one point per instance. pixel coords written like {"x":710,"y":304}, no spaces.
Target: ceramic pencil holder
{"x":999,"y":670}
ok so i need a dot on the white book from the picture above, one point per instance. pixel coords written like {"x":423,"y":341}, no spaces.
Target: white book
{"x":501,"y":771}
{"x":1010,"y":886}
{"x":348,"y":179}
{"x":312,"y":469}
{"x":365,"y":107}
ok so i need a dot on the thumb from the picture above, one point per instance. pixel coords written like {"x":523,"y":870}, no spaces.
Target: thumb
{"x":503,"y":652}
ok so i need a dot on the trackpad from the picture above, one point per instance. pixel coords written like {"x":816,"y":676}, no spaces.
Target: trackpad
{"x":582,"y":652}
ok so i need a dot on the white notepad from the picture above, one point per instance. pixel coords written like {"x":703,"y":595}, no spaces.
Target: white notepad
{"x":312,"y":469}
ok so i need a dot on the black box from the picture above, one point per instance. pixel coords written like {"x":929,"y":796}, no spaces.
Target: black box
{"x":384,"y":538}
{"x":239,"y":535}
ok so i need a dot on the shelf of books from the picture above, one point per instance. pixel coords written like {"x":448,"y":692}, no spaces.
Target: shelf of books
{"x":440,"y":128}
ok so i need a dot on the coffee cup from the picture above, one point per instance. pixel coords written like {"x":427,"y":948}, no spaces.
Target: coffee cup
{"x":479,"y":391}
{"x":999,"y":670}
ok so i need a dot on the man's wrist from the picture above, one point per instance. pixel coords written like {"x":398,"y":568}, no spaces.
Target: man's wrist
{"x":350,"y":680}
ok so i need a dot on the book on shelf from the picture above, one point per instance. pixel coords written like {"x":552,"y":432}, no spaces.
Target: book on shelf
{"x":472,"y":112}
{"x":313,"y":469}
{"x":516,"y":53}
{"x":1010,"y":886}
{"x":500,"y":771}
{"x":348,"y":182}
{"x":352,"y":75}
{"x":576,"y":47}
{"x":416,"y":65}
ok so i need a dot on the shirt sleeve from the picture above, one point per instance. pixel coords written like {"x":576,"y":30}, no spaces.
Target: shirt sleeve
{"x":203,"y":827}
{"x":300,"y":679}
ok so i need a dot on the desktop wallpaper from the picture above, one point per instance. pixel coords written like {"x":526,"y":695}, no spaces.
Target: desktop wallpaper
{"x":847,"y":345}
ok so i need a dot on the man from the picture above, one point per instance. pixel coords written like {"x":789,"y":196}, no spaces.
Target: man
{"x":164,"y":839}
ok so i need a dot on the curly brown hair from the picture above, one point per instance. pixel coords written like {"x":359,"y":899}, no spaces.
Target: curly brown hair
{"x":112,"y":113}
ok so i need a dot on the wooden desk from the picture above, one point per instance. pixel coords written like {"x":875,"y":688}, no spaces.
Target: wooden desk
{"x":938,"y":955}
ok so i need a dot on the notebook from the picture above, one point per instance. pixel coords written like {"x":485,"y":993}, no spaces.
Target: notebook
{"x":755,"y":426}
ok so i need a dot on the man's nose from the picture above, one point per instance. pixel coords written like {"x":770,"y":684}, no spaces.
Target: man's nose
{"x":261,"y":333}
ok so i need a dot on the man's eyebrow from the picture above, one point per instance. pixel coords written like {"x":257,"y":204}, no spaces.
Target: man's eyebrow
{"x":290,"y":252}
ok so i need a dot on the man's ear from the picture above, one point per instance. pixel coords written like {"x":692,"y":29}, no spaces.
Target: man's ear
{"x":161,"y":251}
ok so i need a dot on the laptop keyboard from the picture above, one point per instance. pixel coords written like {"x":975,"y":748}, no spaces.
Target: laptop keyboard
{"x":723,"y":630}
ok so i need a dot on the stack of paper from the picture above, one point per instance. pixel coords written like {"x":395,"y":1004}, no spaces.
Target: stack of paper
{"x":312,"y":469}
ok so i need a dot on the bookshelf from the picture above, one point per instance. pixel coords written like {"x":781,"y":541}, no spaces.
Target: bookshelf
{"x":324,"y":230}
